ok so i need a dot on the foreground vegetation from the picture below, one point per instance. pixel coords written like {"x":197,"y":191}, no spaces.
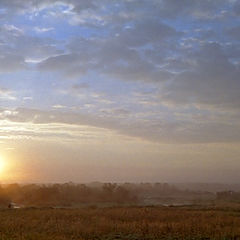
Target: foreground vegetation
{"x":120,"y":223}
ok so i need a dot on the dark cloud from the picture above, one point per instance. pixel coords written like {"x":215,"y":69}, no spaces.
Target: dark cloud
{"x":20,"y":7}
{"x":147,"y":31}
{"x":213,"y":81}
{"x":234,"y":32}
{"x":10,"y":62}
{"x":119,"y":55}
{"x":200,"y":9}
{"x":120,"y":111}
{"x":73,"y":65}
{"x":17,"y":48}
{"x":80,"y":86}
{"x":145,"y":49}
{"x":236,"y":8}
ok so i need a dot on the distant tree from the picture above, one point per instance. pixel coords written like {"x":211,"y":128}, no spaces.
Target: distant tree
{"x":4,"y":198}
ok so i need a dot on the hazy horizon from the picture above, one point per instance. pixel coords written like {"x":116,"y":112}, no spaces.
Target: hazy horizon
{"x":120,"y":91}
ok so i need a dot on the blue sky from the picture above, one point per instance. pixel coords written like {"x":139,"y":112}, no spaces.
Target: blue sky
{"x":160,"y":75}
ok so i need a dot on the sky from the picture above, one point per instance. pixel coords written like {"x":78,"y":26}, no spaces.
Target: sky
{"x":120,"y":90}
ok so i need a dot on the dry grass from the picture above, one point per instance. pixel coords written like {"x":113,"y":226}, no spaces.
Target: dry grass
{"x":119,"y":223}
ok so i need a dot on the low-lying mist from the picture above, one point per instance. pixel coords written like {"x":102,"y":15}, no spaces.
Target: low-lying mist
{"x":111,"y":194}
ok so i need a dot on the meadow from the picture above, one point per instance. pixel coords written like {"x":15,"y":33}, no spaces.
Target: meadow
{"x":127,"y":223}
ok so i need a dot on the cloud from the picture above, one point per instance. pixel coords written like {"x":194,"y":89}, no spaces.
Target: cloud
{"x":236,"y":8}
{"x":196,"y":69}
{"x":158,"y":131}
{"x":83,"y":12}
{"x":120,"y":111}
{"x":116,"y":56}
{"x":171,"y":46}
{"x":15,"y":31}
{"x":11,"y":62}
{"x":32,"y":6}
{"x":59,"y":106}
{"x":43,"y":30}
{"x":6,"y":94}
{"x":17,"y":47}
{"x":146,"y":31}
{"x":71,"y":64}
{"x":80,"y":86}
{"x":234,"y":32}
{"x":213,"y":80}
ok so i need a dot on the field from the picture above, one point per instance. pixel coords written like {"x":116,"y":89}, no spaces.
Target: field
{"x":120,"y":223}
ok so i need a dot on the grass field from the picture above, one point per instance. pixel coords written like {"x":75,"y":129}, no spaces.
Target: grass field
{"x":120,"y":223}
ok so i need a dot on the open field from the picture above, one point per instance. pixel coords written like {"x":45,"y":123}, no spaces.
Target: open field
{"x":120,"y":223}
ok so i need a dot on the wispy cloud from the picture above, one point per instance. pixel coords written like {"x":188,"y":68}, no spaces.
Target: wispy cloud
{"x":43,"y":30}
{"x":6,"y":94}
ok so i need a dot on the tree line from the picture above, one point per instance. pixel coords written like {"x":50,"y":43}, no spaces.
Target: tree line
{"x":72,"y":194}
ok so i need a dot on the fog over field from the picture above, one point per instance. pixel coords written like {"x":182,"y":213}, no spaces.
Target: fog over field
{"x":120,"y":91}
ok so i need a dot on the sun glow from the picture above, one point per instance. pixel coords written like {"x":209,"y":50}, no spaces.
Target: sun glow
{"x":2,"y":164}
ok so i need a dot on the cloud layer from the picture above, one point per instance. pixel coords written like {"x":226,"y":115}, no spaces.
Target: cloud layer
{"x":165,"y":71}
